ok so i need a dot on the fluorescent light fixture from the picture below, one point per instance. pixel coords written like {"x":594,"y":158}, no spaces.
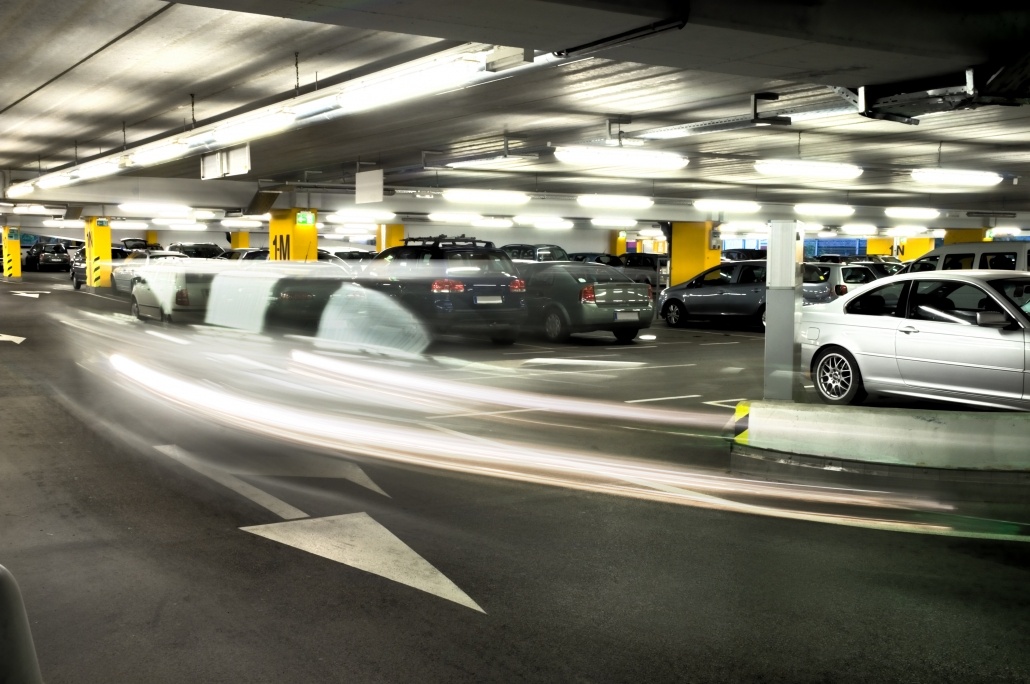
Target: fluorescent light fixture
{"x":506,"y":197}
{"x":955,"y":177}
{"x":827,"y":234}
{"x":73,"y":223}
{"x":187,"y":226}
{"x":54,"y":180}
{"x":32,"y":209}
{"x":407,"y":83}
{"x":554,"y":224}
{"x":497,"y":161}
{"x":905,"y":230}
{"x":360,"y":216}
{"x":317,"y":106}
{"x":204,"y":214}
{"x":614,"y":222}
{"x":52,"y":223}
{"x":258,"y":217}
{"x":859,"y":229}
{"x":97,"y":170}
{"x":117,"y":224}
{"x":800,"y":168}
{"x":615,"y":201}
{"x":491,"y":222}
{"x":585,"y":155}
{"x":155,"y":209}
{"x":355,"y":228}
{"x":21,"y":189}
{"x":651,"y":232}
{"x":824,"y":209}
{"x":911,"y":212}
{"x":812,"y":227}
{"x":454,"y":217}
{"x":726,"y":206}
{"x":938,"y":232}
{"x":716,"y":126}
{"x":240,"y":223}
{"x":743,"y":227}
{"x":155,"y":155}
{"x":1007,"y":231}
{"x":255,"y":127}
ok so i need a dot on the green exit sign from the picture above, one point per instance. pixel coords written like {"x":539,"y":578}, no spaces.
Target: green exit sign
{"x":305,"y":218}
{"x":101,"y":222}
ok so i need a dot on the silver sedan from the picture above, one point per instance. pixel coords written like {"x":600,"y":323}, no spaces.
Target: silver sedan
{"x":959,"y":336}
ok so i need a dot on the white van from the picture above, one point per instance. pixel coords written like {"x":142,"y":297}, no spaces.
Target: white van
{"x":1009,"y":256}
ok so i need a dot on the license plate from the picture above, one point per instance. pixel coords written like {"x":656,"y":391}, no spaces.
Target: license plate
{"x":626,"y":316}
{"x":490,"y":299}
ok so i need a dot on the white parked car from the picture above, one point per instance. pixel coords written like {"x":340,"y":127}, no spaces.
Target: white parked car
{"x":959,"y":336}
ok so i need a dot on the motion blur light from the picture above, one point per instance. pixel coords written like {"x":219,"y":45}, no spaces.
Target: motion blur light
{"x":586,"y":155}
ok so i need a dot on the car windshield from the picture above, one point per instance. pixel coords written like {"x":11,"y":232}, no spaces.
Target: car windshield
{"x":201,"y":251}
{"x":1015,"y":290}
{"x":461,"y":262}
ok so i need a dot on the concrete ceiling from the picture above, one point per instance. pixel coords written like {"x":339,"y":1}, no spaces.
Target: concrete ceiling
{"x":91,"y":78}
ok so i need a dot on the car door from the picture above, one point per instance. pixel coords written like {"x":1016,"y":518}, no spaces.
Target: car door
{"x":940,"y":348}
{"x":707,"y":293}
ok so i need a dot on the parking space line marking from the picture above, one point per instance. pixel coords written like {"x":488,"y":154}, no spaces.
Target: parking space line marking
{"x":263,"y":499}
{"x":726,"y":403}
{"x":711,"y":344}
{"x":641,"y":401}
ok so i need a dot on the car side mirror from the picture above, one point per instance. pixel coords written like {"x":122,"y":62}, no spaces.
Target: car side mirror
{"x":991,"y":319}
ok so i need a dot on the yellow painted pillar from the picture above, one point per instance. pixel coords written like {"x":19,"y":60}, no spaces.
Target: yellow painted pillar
{"x":98,"y":252}
{"x":913,"y":247}
{"x":617,"y":242}
{"x":693,"y":249}
{"x":11,"y":238}
{"x":152,"y":237}
{"x":878,"y":245}
{"x":956,"y":235}
{"x":293,"y":235}
{"x":239,"y":239}
{"x":389,"y":235}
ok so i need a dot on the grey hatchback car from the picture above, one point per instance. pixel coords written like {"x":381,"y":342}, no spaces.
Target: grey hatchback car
{"x":575,"y":297}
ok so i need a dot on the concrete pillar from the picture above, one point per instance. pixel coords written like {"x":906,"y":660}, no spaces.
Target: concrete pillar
{"x":98,"y":251}
{"x":878,"y":245}
{"x":617,"y":242}
{"x":911,"y":248}
{"x":293,"y":235}
{"x":11,"y":238}
{"x":957,"y":235}
{"x":783,"y":311}
{"x":696,"y":246}
{"x":389,"y":235}
{"x":152,"y":237}
{"x":239,"y":239}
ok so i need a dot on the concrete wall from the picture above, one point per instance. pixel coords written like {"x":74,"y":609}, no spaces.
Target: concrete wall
{"x":929,"y":439}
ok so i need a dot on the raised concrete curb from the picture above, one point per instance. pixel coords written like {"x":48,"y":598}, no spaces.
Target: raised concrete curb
{"x":951,"y":440}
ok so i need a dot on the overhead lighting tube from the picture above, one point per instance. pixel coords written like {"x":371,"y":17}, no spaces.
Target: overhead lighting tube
{"x":255,"y":127}
{"x":21,"y":189}
{"x":955,"y":177}
{"x":54,"y":180}
{"x":858,"y":229}
{"x":744,"y":227}
{"x":240,"y":223}
{"x":491,"y":222}
{"x":800,"y":168}
{"x":1007,"y":231}
{"x":727,"y":206}
{"x":911,"y":212}
{"x":506,"y":197}
{"x":615,"y":201}
{"x":613,"y":222}
{"x":827,"y":234}
{"x":155,"y":209}
{"x":905,"y":231}
{"x":97,"y":170}
{"x":156,"y":155}
{"x":824,"y":209}
{"x":554,"y":224}
{"x":117,"y":224}
{"x":360,"y":216}
{"x":651,"y":232}
{"x":585,"y":155}
{"x":409,"y":83}
{"x":187,"y":226}
{"x":32,"y":209}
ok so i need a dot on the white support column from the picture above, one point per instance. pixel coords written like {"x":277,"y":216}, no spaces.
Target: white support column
{"x":783,"y":311}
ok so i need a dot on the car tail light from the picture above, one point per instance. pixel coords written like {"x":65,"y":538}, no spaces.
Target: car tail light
{"x":840,"y":290}
{"x":517,"y":285}
{"x":182,"y":297}
{"x":446,"y":285}
{"x":650,"y":292}
{"x":296,"y":296}
{"x":587,"y":294}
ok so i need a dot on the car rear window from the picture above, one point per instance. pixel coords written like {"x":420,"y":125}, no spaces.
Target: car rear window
{"x":998,"y":260}
{"x":958,"y":261}
{"x":816,"y":274}
{"x":473,"y":262}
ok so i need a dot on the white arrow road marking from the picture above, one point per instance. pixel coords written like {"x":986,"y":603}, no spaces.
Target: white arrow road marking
{"x":355,"y":539}
{"x":726,"y":403}
{"x":11,"y":338}
{"x":34,"y":295}
{"x":264,"y":499}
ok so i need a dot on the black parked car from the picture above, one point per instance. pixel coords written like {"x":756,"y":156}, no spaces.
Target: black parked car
{"x":47,"y":255}
{"x":453,"y":283}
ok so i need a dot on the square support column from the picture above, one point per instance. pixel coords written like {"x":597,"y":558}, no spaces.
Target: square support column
{"x":783,"y":311}
{"x":239,"y":239}
{"x":11,"y":238}
{"x":98,"y":252}
{"x":696,"y":246}
{"x":293,"y":235}
{"x":389,"y":235}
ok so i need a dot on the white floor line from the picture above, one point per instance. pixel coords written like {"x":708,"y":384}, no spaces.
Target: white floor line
{"x":641,"y":401}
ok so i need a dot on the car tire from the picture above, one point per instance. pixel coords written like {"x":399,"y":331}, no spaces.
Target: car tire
{"x":675,"y":315}
{"x":625,"y":335}
{"x":555,"y":327}
{"x":837,"y":378}
{"x":760,"y":317}
{"x":76,"y":283}
{"x":134,"y":309}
